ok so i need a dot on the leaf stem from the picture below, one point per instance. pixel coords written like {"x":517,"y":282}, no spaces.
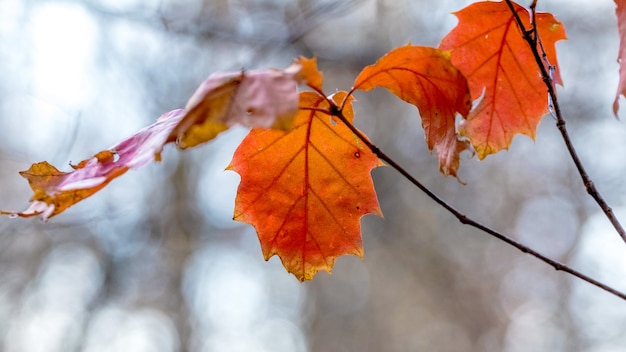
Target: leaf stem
{"x":534,"y":42}
{"x":337,"y":111}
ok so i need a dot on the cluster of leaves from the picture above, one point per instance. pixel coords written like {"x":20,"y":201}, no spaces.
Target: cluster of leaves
{"x":304,"y":167}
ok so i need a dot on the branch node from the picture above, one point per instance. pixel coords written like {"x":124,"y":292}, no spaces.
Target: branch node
{"x":463,"y":219}
{"x":529,"y":34}
{"x":334,"y":109}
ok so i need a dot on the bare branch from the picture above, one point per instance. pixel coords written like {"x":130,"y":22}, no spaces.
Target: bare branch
{"x":336,"y":111}
{"x":531,"y":36}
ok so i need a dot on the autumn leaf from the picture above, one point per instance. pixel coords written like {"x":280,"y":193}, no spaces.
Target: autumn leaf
{"x":426,"y":78}
{"x":55,"y":191}
{"x":489,"y":49}
{"x":620,"y":11}
{"x":309,"y":73}
{"x":306,"y":190}
{"x":263,"y":98}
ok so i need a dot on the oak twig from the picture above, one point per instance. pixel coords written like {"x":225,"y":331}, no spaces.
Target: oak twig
{"x":534,"y":42}
{"x":337,"y":111}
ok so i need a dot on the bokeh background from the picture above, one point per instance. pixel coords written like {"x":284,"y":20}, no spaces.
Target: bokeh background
{"x":154,"y":262}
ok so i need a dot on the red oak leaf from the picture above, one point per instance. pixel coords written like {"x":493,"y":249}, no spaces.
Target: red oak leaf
{"x":426,"y":78}
{"x":55,"y":191}
{"x":489,"y":49}
{"x":309,"y":73}
{"x":306,"y":190}
{"x":263,"y":98}
{"x":267,"y":98}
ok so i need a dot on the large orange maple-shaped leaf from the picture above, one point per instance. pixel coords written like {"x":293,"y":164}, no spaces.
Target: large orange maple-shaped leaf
{"x":426,"y":78}
{"x":620,"y":11}
{"x":488,"y":47}
{"x":306,"y":190}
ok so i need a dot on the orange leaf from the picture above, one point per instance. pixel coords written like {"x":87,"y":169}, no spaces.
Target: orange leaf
{"x":306,"y":190}
{"x":309,"y":73}
{"x":620,"y":11}
{"x":55,"y":191}
{"x":488,"y":48}
{"x":426,"y":78}
{"x":264,"y":98}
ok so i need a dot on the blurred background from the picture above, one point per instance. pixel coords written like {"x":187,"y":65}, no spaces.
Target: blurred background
{"x":154,"y":262}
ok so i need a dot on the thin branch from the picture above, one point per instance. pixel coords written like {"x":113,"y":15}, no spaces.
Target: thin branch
{"x":532,"y":38}
{"x":337,"y":111}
